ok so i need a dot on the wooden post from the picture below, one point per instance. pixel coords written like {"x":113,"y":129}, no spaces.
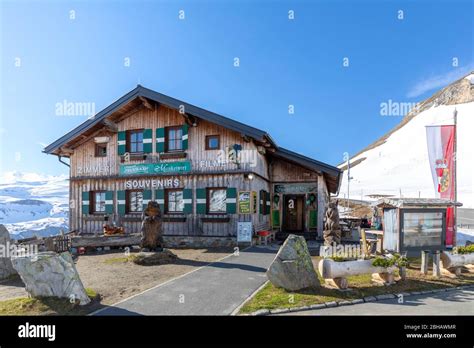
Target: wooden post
{"x":365,"y":249}
{"x":403,"y":273}
{"x":436,"y":264}
{"x":424,"y":261}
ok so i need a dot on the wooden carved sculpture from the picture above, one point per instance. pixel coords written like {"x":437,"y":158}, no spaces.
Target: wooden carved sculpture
{"x":332,"y":230}
{"x":152,"y":230}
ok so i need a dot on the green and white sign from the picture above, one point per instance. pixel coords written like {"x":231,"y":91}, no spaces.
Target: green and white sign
{"x":155,"y":168}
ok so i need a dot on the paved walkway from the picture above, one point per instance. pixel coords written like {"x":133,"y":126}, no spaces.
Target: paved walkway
{"x":216,"y":289}
{"x":456,"y":302}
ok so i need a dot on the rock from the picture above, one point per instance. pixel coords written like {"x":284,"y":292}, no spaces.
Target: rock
{"x":6,"y":268}
{"x":292,"y":268}
{"x":154,"y":258}
{"x":48,"y":274}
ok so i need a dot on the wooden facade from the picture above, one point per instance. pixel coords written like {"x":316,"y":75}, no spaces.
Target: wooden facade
{"x":273,"y":177}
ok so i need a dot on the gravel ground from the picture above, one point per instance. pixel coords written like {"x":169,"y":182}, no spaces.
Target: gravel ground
{"x":116,"y":279}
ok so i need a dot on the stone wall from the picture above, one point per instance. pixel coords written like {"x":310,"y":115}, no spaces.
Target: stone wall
{"x":199,"y":242}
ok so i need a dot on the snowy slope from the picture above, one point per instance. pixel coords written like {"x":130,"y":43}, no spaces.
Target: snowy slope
{"x":33,"y":204}
{"x":400,"y":162}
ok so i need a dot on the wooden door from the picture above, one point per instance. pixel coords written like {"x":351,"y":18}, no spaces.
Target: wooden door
{"x":293,"y":213}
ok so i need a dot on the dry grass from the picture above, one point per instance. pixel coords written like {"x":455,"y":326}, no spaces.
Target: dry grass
{"x":47,"y":306}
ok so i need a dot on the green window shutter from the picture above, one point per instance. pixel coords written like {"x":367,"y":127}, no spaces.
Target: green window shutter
{"x":313,"y":219}
{"x":231,"y":200}
{"x":146,"y":198}
{"x":160,"y":199}
{"x":160,"y":140}
{"x":188,"y":201}
{"x":109,"y":202}
{"x":85,"y":203}
{"x":147,"y":140}
{"x":276,"y":218}
{"x":185,"y":136}
{"x":261,"y":199}
{"x":121,"y":142}
{"x":121,"y":202}
{"x":201,"y":201}
{"x":268,"y":206}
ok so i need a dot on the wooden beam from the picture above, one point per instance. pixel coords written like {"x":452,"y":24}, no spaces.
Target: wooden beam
{"x":111,"y":126}
{"x":87,"y":138}
{"x":130,"y":113}
{"x":146,"y":103}
{"x":246,"y":138}
{"x":190,"y":120}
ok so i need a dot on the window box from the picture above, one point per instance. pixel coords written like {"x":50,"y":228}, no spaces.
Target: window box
{"x":172,"y":155}
{"x":174,"y":218}
{"x":134,"y":157}
{"x":96,"y":217}
{"x":215,"y":219}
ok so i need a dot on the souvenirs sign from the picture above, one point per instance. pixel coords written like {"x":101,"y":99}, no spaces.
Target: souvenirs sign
{"x":155,"y":168}
{"x":152,"y":183}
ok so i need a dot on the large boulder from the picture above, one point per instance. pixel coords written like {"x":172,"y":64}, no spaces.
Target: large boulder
{"x":49,"y":274}
{"x":6,"y":267}
{"x":292,"y":268}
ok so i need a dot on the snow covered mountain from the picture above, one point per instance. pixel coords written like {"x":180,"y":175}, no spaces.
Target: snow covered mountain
{"x":33,"y":204}
{"x":397,"y":164}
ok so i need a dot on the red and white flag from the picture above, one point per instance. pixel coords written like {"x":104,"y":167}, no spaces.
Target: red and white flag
{"x":441,"y":154}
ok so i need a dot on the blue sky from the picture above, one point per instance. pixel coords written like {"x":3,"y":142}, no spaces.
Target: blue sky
{"x":48,"y":57}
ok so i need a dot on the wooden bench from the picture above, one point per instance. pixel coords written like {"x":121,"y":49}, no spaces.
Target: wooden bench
{"x":265,"y":237}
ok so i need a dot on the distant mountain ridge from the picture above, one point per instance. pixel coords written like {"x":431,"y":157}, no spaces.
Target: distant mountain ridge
{"x":33,"y":204}
{"x":397,"y":163}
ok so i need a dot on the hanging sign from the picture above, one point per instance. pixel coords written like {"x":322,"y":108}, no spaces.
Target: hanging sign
{"x":155,"y":168}
{"x":296,"y":188}
{"x":244,"y":202}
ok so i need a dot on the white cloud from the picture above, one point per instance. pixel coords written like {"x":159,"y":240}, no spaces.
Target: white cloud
{"x":438,"y":81}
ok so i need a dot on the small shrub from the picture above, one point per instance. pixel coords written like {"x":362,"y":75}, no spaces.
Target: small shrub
{"x":464,"y":249}
{"x":396,"y":260}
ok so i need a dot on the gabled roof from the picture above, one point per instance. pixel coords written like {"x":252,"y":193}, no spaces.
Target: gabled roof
{"x":141,"y":91}
{"x":332,"y":174}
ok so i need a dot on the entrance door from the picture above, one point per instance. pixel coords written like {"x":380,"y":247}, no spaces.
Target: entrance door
{"x":293,"y":213}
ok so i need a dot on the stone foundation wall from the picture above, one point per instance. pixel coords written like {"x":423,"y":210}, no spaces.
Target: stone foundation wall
{"x":199,"y":242}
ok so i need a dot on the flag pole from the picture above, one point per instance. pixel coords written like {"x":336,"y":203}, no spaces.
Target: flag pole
{"x":455,"y":175}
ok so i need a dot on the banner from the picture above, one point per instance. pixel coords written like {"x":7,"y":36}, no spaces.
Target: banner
{"x":441,"y":155}
{"x":155,"y":168}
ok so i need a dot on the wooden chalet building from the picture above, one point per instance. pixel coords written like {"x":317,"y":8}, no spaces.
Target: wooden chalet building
{"x":206,"y":171}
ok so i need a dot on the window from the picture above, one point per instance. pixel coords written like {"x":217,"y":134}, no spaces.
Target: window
{"x":213,"y":142}
{"x":98,"y":202}
{"x":216,"y":200}
{"x":100,"y":150}
{"x":174,"y":201}
{"x":134,"y":201}
{"x":135,"y":141}
{"x":423,"y":229}
{"x":174,"y":138}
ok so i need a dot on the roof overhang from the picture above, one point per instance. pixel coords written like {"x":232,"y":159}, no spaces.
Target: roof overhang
{"x":138,"y":96}
{"x":332,"y":175}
